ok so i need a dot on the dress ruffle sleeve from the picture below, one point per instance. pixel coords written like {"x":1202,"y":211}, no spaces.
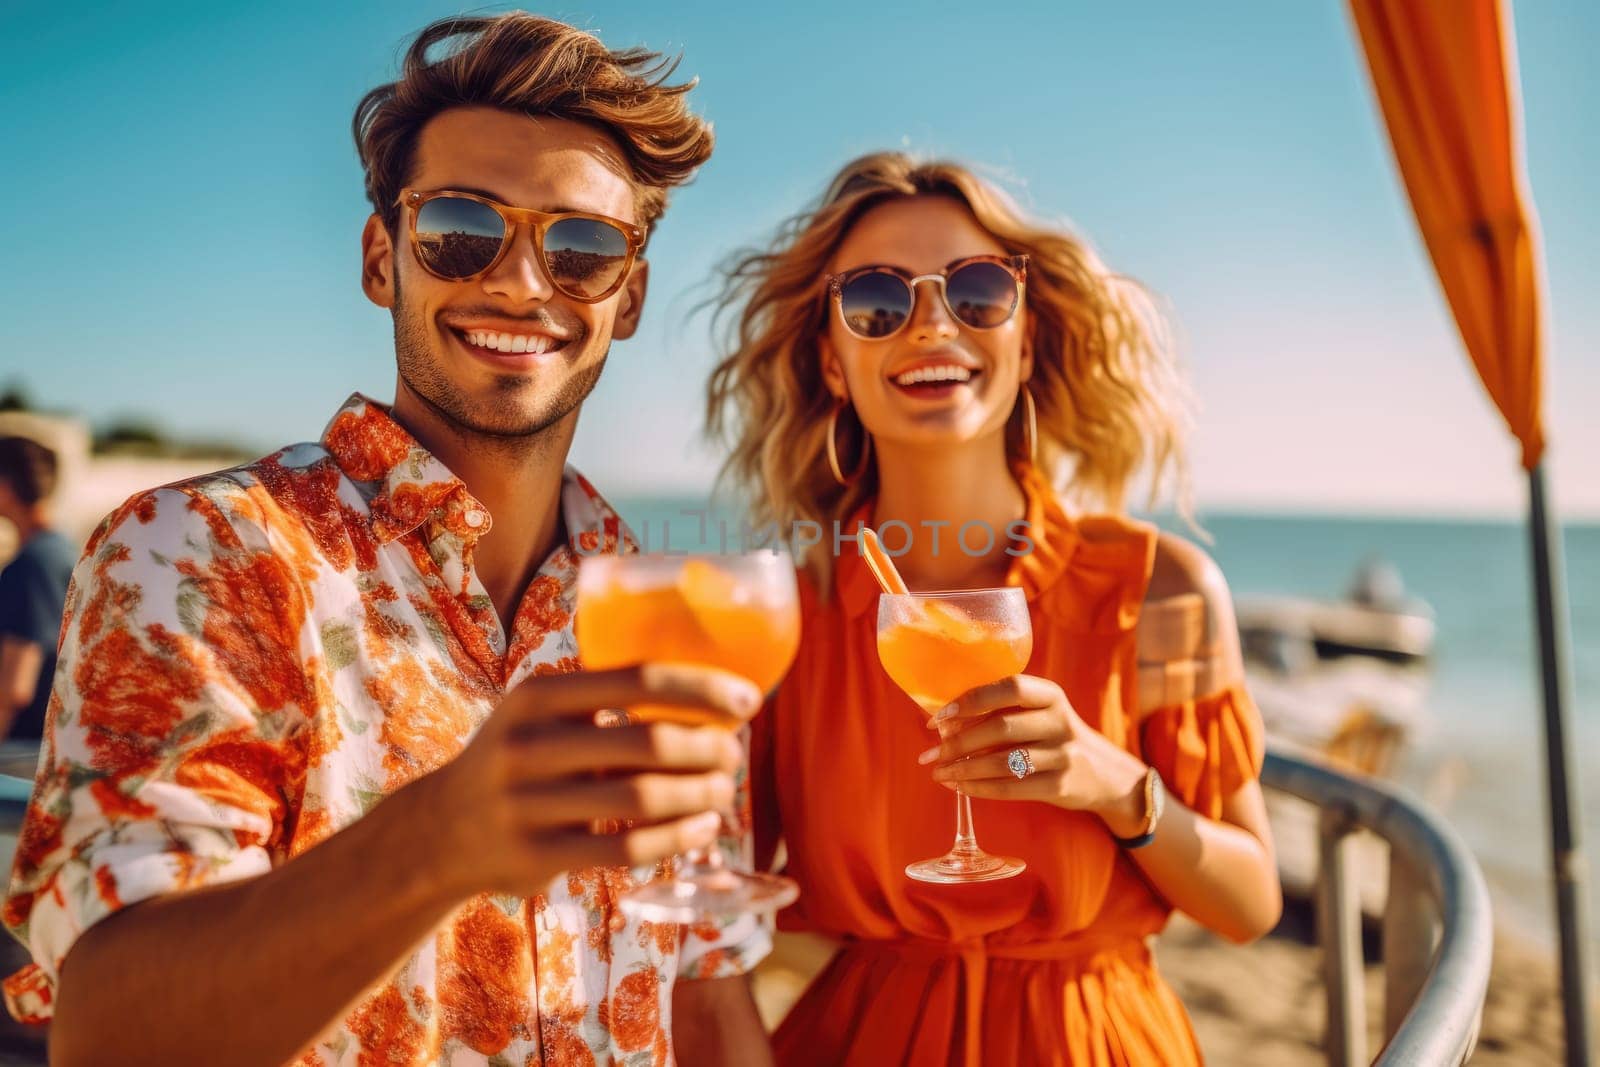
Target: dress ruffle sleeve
{"x":1206,"y":748}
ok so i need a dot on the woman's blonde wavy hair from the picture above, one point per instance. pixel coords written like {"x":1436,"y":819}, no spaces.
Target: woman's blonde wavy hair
{"x":1110,"y":396}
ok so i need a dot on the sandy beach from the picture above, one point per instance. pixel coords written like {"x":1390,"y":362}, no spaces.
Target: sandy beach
{"x":1263,"y":1003}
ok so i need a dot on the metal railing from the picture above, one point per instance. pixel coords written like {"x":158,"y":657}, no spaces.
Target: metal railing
{"x":1438,"y":932}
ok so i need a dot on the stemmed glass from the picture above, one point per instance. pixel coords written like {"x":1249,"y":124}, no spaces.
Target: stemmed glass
{"x":936,"y":646}
{"x":737,"y":612}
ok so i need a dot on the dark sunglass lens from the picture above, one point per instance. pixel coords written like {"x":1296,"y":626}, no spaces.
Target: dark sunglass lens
{"x":457,"y":237}
{"x":982,"y":294}
{"x":585,"y":257}
{"x":875,"y":304}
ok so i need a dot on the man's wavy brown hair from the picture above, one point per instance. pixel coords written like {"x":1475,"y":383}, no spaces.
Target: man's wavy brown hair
{"x":529,"y":65}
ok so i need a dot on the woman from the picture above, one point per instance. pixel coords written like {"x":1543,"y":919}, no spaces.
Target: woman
{"x":914,"y":350}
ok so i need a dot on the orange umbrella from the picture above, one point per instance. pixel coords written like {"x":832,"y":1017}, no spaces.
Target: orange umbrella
{"x":1444,"y":71}
{"x":1445,"y":76}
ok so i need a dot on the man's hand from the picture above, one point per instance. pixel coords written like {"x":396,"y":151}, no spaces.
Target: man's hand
{"x":518,"y":805}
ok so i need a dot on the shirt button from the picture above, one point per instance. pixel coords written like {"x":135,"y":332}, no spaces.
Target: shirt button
{"x":475,"y":518}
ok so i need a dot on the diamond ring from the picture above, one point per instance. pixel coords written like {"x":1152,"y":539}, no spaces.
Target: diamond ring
{"x":1020,"y":762}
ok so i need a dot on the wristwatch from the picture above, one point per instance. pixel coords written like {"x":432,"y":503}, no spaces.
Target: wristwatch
{"x":1155,"y":798}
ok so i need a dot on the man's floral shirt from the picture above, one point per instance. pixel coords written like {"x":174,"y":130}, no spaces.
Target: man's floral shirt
{"x":250,"y":661}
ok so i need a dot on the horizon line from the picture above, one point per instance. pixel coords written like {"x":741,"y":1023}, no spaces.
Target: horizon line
{"x":1238,"y":507}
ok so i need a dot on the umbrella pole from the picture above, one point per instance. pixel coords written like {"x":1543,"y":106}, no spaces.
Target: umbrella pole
{"x":1566,"y":856}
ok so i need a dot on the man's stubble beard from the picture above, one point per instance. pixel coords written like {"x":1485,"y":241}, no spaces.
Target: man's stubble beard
{"x":503,"y":418}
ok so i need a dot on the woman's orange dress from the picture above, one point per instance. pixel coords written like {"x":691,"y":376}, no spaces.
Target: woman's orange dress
{"x":1049,"y":967}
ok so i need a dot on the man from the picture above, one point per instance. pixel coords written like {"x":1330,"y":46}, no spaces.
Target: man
{"x":319,"y":715}
{"x":33,"y":587}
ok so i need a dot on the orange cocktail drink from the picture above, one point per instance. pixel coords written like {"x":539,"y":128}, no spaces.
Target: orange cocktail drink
{"x":737,"y":613}
{"x":692,"y":610}
{"x":937,"y":652}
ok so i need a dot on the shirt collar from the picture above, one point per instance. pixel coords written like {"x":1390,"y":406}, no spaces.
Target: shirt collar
{"x":1052,"y":537}
{"x":405,"y":485}
{"x":593,"y":527}
{"x":403,"y":482}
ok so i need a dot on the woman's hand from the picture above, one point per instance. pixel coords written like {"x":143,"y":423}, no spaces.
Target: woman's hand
{"x":1074,"y":765}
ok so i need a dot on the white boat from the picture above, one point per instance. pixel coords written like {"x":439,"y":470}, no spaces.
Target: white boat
{"x":1344,"y":682}
{"x":1376,"y":619}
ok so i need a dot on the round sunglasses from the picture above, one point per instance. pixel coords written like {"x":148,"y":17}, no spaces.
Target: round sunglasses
{"x":460,"y":237}
{"x":981,"y":292}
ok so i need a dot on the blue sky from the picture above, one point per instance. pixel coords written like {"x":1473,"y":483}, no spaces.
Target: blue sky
{"x":184,"y":208}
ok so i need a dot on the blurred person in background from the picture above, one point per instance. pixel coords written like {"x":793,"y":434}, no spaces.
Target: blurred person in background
{"x":33,"y":587}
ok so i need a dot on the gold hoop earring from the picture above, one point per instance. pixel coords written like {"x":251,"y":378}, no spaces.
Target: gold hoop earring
{"x":1030,"y":425}
{"x":833,"y":450}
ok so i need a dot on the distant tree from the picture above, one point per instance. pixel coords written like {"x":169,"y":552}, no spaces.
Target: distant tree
{"x":137,"y":436}
{"x":15,"y":398}
{"x":211,"y":448}
{"x":132,"y":436}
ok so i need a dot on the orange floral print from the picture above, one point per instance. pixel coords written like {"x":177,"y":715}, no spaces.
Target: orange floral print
{"x":665,"y":936}
{"x":234,"y":769}
{"x":556,"y":971}
{"x":368,"y":443}
{"x":421,"y":734}
{"x":714,"y":960}
{"x":484,"y":978}
{"x":542,"y":610}
{"x":134,"y":691}
{"x":564,"y":665}
{"x":312,"y":826}
{"x":323,"y":735}
{"x":563,"y":1046}
{"x":255,"y":613}
{"x":386,"y":1031}
{"x":113,"y":802}
{"x":105,"y":883}
{"x":312,"y":494}
{"x":109,"y":595}
{"x":40,"y":840}
{"x":635,"y":1011}
{"x":253,"y":659}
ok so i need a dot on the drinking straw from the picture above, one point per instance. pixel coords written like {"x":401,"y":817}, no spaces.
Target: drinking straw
{"x":880,"y":564}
